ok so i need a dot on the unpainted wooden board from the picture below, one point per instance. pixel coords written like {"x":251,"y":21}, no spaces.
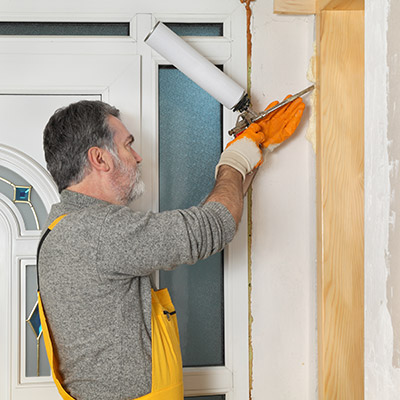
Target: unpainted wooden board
{"x":343,"y":5}
{"x":340,"y":203}
{"x":315,"y":6}
{"x":322,"y":4}
{"x":294,"y":6}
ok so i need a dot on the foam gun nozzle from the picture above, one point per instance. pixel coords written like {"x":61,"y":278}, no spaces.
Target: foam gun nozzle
{"x":248,"y":116}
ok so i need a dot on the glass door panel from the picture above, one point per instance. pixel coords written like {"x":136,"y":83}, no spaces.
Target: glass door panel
{"x":190,"y":141}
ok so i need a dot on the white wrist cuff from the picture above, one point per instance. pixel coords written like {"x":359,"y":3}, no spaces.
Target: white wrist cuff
{"x":243,"y":155}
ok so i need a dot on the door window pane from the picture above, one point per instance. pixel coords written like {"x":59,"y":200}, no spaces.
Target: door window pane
{"x":196,"y":29}
{"x":64,"y":28}
{"x":190,"y":141}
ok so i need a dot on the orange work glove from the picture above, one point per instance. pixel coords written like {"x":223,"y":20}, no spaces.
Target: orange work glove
{"x":244,"y":152}
{"x":254,"y":132}
{"x":281,"y":124}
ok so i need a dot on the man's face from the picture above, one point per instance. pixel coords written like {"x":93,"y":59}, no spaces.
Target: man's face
{"x":126,"y":177}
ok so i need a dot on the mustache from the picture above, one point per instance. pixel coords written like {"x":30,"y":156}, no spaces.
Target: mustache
{"x":138,"y":172}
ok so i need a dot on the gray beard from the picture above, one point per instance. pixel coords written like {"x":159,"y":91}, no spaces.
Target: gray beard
{"x":138,"y":186}
{"x":128,"y":193}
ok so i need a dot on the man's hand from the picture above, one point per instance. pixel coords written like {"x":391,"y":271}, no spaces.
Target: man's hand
{"x":282,"y":123}
{"x":244,"y":152}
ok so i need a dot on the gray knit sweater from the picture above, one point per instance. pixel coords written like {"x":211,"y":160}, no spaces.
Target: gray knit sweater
{"x":95,"y":284}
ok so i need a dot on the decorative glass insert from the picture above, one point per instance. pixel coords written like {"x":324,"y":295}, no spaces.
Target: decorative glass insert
{"x":190,"y":143}
{"x":64,"y":28}
{"x":36,"y":362}
{"x":24,"y":196}
{"x":34,"y":321}
{"x":196,"y":29}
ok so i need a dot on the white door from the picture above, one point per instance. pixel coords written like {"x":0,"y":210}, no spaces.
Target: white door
{"x":39,"y":75}
{"x":36,"y":79}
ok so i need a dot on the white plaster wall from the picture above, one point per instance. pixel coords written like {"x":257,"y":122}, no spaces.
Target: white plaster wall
{"x":284,"y":331}
{"x":382,"y":153}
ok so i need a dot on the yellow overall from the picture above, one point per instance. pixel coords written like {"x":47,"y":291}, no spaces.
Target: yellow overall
{"x":167,"y":378}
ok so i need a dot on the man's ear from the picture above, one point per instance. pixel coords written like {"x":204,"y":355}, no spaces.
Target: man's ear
{"x":99,"y":159}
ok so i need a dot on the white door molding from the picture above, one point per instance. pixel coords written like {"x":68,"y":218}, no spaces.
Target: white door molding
{"x":103,"y":10}
{"x":32,"y":171}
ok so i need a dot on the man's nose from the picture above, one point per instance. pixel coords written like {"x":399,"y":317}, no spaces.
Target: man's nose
{"x":138,"y":158}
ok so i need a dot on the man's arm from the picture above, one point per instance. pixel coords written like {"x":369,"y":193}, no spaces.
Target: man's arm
{"x":242,"y":156}
{"x":228,"y":190}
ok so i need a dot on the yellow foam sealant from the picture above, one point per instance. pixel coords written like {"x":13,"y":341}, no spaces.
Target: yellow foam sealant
{"x":311,"y":134}
{"x":247,"y":4}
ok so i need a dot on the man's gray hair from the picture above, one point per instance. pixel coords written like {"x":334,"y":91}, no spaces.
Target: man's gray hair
{"x":70,"y":133}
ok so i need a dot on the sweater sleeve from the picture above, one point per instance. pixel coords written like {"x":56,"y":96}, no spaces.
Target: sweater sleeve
{"x":136,"y":244}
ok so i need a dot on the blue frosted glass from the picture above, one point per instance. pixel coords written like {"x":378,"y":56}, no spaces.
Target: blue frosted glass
{"x":189,"y":148}
{"x":196,"y":29}
{"x":64,"y":28}
{"x":190,"y":140}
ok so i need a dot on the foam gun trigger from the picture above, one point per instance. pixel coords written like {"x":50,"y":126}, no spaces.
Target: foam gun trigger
{"x":246,"y":118}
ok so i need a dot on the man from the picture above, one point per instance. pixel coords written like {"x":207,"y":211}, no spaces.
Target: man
{"x":112,"y":333}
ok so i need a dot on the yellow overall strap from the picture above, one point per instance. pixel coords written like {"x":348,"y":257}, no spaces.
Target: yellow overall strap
{"x":50,"y":353}
{"x":46,"y":334}
{"x":56,"y":221}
